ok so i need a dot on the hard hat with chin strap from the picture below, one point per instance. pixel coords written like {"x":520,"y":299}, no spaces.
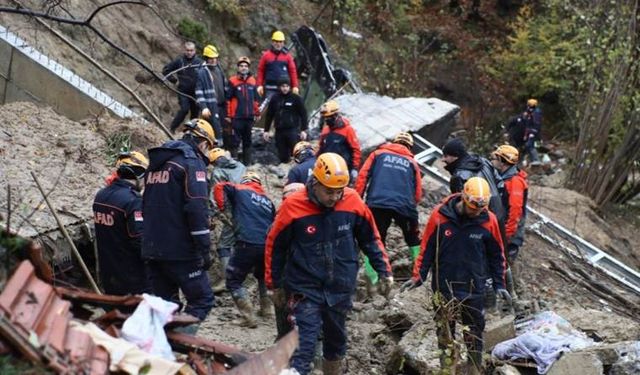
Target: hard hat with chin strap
{"x":131,"y":164}
{"x":216,"y":154}
{"x":476,"y":193}
{"x":251,"y":177}
{"x":507,"y":153}
{"x":201,"y":129}
{"x":404,"y":138}
{"x":331,"y":171}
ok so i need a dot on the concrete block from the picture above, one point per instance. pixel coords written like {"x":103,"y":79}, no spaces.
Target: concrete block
{"x":610,"y":353}
{"x":582,"y":363}
{"x":498,"y":331}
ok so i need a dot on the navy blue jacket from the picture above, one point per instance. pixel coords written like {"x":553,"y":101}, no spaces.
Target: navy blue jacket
{"x":391,"y":179}
{"x":186,"y":77}
{"x":301,"y":172}
{"x":253,"y":211}
{"x":287,"y":112}
{"x":207,"y":97}
{"x":175,"y":203}
{"x":458,"y":249}
{"x":117,"y":215}
{"x":311,"y":250}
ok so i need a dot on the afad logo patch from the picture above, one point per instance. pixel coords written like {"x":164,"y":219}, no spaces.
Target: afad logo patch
{"x":137,"y":216}
{"x":201,"y":176}
{"x":311,"y":229}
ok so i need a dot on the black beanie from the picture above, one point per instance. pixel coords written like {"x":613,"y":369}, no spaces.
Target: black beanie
{"x":454,"y":147}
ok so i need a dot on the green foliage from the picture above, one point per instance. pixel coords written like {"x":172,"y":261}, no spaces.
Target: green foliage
{"x":229,"y":7}
{"x":193,"y":30}
{"x":117,"y":143}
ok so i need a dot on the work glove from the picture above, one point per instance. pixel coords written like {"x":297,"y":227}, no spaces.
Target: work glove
{"x":504,"y":294}
{"x":303,"y":135}
{"x":385,"y":286}
{"x":278,"y":297}
{"x":206,"y":261}
{"x":206,"y":113}
{"x":227,"y":120}
{"x":410,"y":284}
{"x":266,"y":136}
{"x":295,"y":90}
{"x":260,"y":90}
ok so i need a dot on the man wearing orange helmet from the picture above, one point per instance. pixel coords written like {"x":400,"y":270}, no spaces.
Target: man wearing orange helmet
{"x":242,"y":111}
{"x":524,"y":130}
{"x":311,"y":260}
{"x":338,"y":136}
{"x":117,"y":213}
{"x":505,"y":160}
{"x":461,"y":237}
{"x":176,"y":232}
{"x":304,"y":156}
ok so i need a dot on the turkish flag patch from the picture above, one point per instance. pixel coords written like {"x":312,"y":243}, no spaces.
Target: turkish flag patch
{"x":201,"y":176}
{"x":137,"y":216}
{"x":311,"y":229}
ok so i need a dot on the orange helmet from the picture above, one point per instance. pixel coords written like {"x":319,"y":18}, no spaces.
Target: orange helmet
{"x":131,"y":164}
{"x":532,"y":102}
{"x":201,"y":129}
{"x":244,"y":59}
{"x":476,"y":193}
{"x":251,"y":177}
{"x":507,"y":153}
{"x":404,"y":138}
{"x":300,"y":149}
{"x":329,"y":108}
{"x":216,"y":154}
{"x":291,"y":188}
{"x":331,"y":171}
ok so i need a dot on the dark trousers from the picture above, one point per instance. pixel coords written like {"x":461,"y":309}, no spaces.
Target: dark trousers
{"x":470,"y":312}
{"x":244,"y":259}
{"x":409,"y":226}
{"x":169,"y":276}
{"x":312,"y":318}
{"x":242,"y":133}
{"x":187,"y":105}
{"x":286,"y":139}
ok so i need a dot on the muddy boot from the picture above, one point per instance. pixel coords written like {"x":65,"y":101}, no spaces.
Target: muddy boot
{"x":220,"y":285}
{"x":266,"y":307}
{"x":332,"y":367}
{"x":248,"y":319}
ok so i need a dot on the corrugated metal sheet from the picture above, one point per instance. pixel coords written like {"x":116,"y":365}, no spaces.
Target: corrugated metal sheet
{"x":35,"y":321}
{"x":377,"y":119}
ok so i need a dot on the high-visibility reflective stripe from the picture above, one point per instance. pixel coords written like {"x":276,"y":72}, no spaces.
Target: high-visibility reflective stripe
{"x":200,"y":232}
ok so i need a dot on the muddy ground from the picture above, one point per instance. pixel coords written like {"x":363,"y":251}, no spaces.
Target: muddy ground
{"x":72,"y":159}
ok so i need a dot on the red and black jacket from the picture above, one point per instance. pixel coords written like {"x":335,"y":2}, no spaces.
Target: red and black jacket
{"x":273,"y":66}
{"x":253,"y":211}
{"x":342,"y":140}
{"x":312,"y":251}
{"x":243,"y":98}
{"x":391,"y":179}
{"x":516,"y":190}
{"x":457,"y":249}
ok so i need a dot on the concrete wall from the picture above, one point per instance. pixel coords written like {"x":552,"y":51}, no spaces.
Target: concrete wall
{"x":28,"y":75}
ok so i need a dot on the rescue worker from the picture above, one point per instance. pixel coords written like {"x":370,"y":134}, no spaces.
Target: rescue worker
{"x":311,"y":260}
{"x":275,"y":64}
{"x":524,"y":130}
{"x":117,"y":215}
{"x":176,"y":233}
{"x":391,"y":180}
{"x":210,"y":90}
{"x":253,"y":214}
{"x":224,"y":169}
{"x":304,"y":156}
{"x":291,"y":188}
{"x":505,"y":160}
{"x":242,"y":111}
{"x":462,"y":166}
{"x":339,"y":137}
{"x":459,"y":239}
{"x":186,"y":74}
{"x":289,"y":117}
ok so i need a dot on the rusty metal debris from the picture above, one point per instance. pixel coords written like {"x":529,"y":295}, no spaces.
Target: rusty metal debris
{"x":34,"y":320}
{"x":35,"y":317}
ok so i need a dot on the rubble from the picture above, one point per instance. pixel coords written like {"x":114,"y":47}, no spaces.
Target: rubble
{"x":497,"y":331}
{"x":577,"y":363}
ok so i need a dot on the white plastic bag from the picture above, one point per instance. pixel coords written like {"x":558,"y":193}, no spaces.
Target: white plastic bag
{"x":145,"y":327}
